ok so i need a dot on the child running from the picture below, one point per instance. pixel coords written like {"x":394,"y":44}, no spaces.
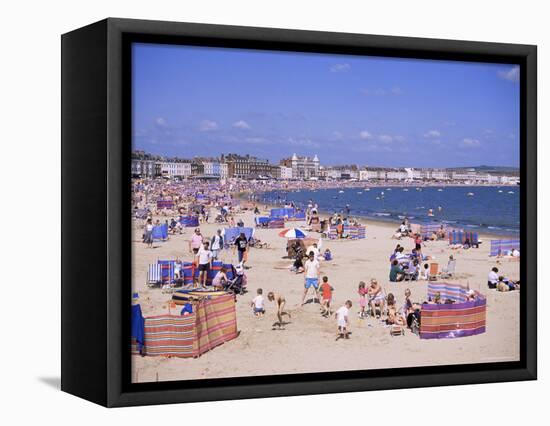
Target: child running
{"x":326,"y":297}
{"x":342,"y":319}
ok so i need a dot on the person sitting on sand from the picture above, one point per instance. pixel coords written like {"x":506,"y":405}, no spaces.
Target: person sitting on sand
{"x":393,"y":317}
{"x":258,"y":303}
{"x":409,"y":306}
{"x":394,"y":254}
{"x":327,"y":255}
{"x":376,"y":297}
{"x":280,"y":301}
{"x":396,"y":272}
{"x":342,"y":320}
{"x":311,"y":278}
{"x":424,"y":272}
{"x":400,"y":255}
{"x":316,"y":251}
{"x":413,"y":270}
{"x":403,"y":229}
{"x":493,"y":278}
{"x":326,"y":297}
{"x":298,"y":265}
{"x":504,"y":284}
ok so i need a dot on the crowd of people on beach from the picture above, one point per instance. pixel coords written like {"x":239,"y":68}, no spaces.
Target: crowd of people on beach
{"x":372,"y":299}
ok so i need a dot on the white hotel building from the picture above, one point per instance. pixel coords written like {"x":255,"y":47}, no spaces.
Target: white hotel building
{"x":173,"y":169}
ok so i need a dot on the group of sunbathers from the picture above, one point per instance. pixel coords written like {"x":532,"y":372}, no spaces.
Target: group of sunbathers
{"x":500,"y":282}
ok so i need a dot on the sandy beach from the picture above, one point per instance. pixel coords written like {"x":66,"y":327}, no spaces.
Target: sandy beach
{"x":307,"y":344}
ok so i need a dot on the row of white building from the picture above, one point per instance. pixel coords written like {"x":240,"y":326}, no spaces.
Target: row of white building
{"x":302,"y":168}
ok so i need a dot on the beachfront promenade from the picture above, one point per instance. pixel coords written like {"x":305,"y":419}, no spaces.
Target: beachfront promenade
{"x":308,"y":342}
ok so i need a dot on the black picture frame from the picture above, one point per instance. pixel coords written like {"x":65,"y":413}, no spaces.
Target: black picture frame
{"x":96,"y":95}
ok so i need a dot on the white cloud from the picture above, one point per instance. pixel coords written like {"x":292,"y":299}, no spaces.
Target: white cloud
{"x":399,"y":138}
{"x":241,"y":124}
{"x":256,"y":140}
{"x":337,"y":135}
{"x":511,"y":74}
{"x":340,"y":68}
{"x":386,"y":138}
{"x":161,"y":122}
{"x":432,"y":134}
{"x":302,"y":142}
{"x":470,"y":143}
{"x":207,"y":125}
{"x":396,"y":90}
{"x":381,"y":91}
{"x":365,"y":135}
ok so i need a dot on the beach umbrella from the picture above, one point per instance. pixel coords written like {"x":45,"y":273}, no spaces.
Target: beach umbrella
{"x":293,"y":233}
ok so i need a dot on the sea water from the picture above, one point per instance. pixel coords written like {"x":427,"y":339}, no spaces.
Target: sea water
{"x":483,"y":208}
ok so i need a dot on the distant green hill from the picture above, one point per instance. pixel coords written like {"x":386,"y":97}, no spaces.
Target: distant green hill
{"x":498,"y":170}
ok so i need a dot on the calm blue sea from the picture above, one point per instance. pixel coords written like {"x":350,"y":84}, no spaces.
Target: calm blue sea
{"x":489,"y":209}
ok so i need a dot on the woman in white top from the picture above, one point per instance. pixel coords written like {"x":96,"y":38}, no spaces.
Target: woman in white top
{"x":148,"y":236}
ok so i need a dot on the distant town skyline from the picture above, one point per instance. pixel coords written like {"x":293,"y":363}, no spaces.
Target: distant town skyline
{"x":196,"y":101}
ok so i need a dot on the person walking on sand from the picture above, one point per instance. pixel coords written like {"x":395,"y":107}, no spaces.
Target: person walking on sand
{"x":342,"y":320}
{"x":311,"y":277}
{"x":326,"y":297}
{"x":280,"y":302}
{"x":216,"y":244}
{"x":195,"y":243}
{"x":241,"y":243}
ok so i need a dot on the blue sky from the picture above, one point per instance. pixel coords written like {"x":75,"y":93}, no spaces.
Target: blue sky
{"x":197,"y":101}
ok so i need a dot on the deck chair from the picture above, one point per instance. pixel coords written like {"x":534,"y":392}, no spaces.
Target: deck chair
{"x":166,"y":271}
{"x":154,"y":275}
{"x":449,"y":271}
{"x":397,"y":330}
{"x":434,"y":271}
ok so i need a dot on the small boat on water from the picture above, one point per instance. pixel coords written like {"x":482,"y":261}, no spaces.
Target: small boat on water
{"x":340,"y":192}
{"x":405,"y":189}
{"x":510,"y":192}
{"x":367,"y":189}
{"x":388,"y":189}
{"x":470,"y":194}
{"x":359,"y":192}
{"x":500,"y":190}
{"x":440,"y":190}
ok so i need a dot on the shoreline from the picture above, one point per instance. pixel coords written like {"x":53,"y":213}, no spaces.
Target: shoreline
{"x":367,"y":220}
